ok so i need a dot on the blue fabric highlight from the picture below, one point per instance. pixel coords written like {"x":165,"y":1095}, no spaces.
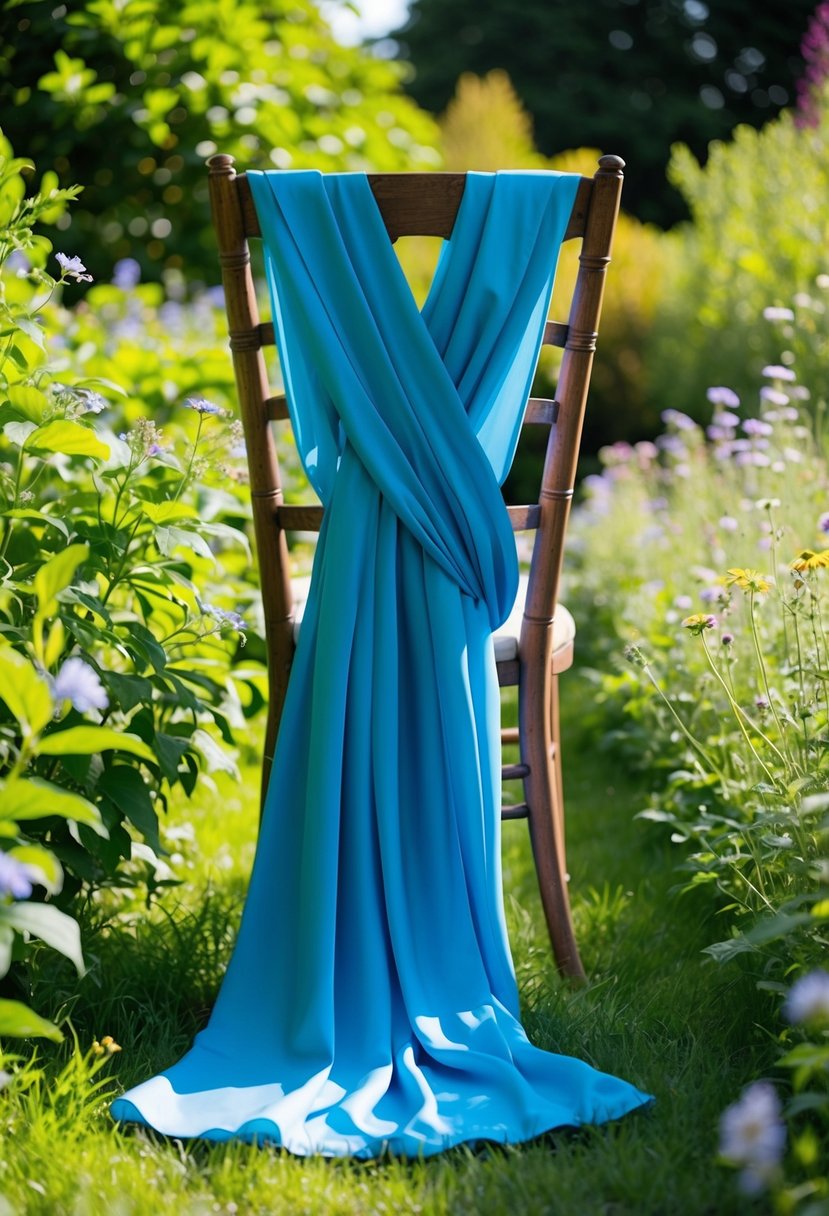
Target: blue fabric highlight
{"x":370,"y":1004}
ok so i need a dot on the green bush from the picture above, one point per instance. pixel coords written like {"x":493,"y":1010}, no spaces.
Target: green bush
{"x":124,"y":563}
{"x":132,"y":97}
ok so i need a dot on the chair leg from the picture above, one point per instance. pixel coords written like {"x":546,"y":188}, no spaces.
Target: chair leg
{"x":540,"y":751}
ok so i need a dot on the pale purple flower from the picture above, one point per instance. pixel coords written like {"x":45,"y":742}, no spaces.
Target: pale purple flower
{"x":15,"y":877}
{"x":773,"y":396}
{"x":755,"y":426}
{"x":202,"y":406}
{"x":808,"y":999}
{"x":778,"y":314}
{"x":724,"y":418}
{"x":717,"y":432}
{"x":79,"y":683}
{"x":126,"y":273}
{"x":215,"y":296}
{"x":823,"y":522}
{"x":671,"y":444}
{"x":761,"y":703}
{"x":728,"y":523}
{"x":713,"y":595}
{"x":658,"y":504}
{"x":224,"y":616}
{"x":72,"y":268}
{"x":727,"y":639}
{"x":776,"y":371}
{"x":646,"y":451}
{"x":720,"y":395}
{"x":681,"y":421}
{"x":753,"y":1135}
{"x":91,"y":402}
{"x":684,"y":602}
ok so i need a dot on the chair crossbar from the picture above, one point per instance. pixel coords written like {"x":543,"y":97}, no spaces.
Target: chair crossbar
{"x":304,"y":517}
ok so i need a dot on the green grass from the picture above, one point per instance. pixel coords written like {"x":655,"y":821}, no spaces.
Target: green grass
{"x":653,"y":1012}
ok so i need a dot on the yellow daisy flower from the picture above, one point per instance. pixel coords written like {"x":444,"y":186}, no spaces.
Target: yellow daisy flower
{"x":747,"y":580}
{"x":808,"y":559}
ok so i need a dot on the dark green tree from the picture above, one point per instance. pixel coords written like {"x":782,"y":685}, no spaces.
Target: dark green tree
{"x":629,"y":76}
{"x":131,"y":96}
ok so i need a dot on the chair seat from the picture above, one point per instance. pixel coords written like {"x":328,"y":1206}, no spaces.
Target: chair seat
{"x":506,"y":639}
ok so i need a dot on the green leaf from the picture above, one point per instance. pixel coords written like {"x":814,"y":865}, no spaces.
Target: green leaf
{"x":169,"y":751}
{"x":18,"y":1021}
{"x":89,"y":740}
{"x":214,"y":755}
{"x":26,"y":694}
{"x":38,"y":517}
{"x":29,"y":402}
{"x":56,"y":575}
{"x":70,"y":438}
{"x":48,"y":923}
{"x":170,"y":539}
{"x":164,"y":512}
{"x":127,"y":790}
{"x":35,"y":799}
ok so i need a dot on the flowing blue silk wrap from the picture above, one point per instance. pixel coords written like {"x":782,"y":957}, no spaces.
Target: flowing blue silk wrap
{"x":370,"y":1004}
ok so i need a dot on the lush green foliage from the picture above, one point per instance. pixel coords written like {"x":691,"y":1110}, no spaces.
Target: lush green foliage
{"x":628,"y":78}
{"x":122,"y":564}
{"x":132,"y":97}
{"x":705,"y":563}
{"x":758,"y":239}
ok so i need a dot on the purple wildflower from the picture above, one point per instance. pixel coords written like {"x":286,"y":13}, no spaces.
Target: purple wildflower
{"x":72,"y":268}
{"x":720,"y":395}
{"x":79,"y":683}
{"x":775,"y":371}
{"x":778,"y":314}
{"x":814,"y":50}
{"x":753,"y":1135}
{"x":773,"y":395}
{"x":823,"y":522}
{"x":808,"y":999}
{"x":712,"y":595}
{"x":15,"y":877}
{"x":126,"y":274}
{"x":761,"y":703}
{"x":681,"y":421}
{"x":727,"y":639}
{"x":684,"y":602}
{"x":202,"y":406}
{"x":755,"y":426}
{"x":724,"y":418}
{"x":728,"y":523}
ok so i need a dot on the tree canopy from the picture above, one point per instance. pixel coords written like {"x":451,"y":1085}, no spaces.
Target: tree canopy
{"x":632,"y":77}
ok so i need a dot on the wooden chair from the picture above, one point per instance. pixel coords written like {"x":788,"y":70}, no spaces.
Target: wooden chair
{"x":426,"y":204}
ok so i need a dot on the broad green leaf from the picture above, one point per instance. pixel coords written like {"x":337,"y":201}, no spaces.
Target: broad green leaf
{"x":70,"y":438}
{"x":126,"y":788}
{"x":18,"y":432}
{"x":38,"y":517}
{"x":56,"y":575}
{"x":32,"y":331}
{"x":164,"y":512}
{"x":170,"y":539}
{"x":29,"y":402}
{"x":26,"y":694}
{"x":18,"y":1021}
{"x":40,"y":859}
{"x":35,"y":799}
{"x":89,"y":740}
{"x":48,"y":923}
{"x":215,"y":756}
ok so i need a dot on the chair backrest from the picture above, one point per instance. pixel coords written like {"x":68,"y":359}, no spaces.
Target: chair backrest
{"x":412,"y":204}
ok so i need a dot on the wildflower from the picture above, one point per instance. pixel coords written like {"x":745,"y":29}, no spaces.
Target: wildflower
{"x":754,"y":426}
{"x":823,"y":522}
{"x":72,"y":268}
{"x":753,"y":1135}
{"x":728,"y":523}
{"x":222,"y":615}
{"x":202,"y":406}
{"x":79,"y":683}
{"x":727,"y":639}
{"x":720,"y":395}
{"x":747,"y":580}
{"x":90,"y":402}
{"x":15,"y":877}
{"x":778,"y":314}
{"x":671,"y":444}
{"x":684,"y":602}
{"x":773,"y":395}
{"x":808,"y":999}
{"x":767,"y":504}
{"x":698,"y":622}
{"x":678,"y":419}
{"x":808,"y":559}
{"x":725,"y":418}
{"x":761,"y":703}
{"x":777,"y":372}
{"x":713,"y":595}
{"x":634,"y":655}
{"x":126,"y":273}
{"x":107,"y":1046}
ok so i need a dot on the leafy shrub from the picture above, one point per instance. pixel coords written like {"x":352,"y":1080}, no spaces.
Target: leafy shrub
{"x":123,"y":556}
{"x":162,"y":86}
{"x":758,"y":239}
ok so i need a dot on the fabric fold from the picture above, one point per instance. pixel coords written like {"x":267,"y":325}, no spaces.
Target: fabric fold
{"x":370,"y":1003}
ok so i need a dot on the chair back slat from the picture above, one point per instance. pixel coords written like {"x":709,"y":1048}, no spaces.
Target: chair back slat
{"x":307,"y":517}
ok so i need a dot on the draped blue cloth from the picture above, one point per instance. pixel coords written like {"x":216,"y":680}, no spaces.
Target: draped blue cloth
{"x":370,"y":1003}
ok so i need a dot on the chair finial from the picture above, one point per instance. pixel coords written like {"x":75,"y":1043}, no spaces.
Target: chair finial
{"x":612,"y":165}
{"x":220,"y":165}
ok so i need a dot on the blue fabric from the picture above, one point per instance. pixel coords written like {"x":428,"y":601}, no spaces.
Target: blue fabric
{"x":370,"y":1004}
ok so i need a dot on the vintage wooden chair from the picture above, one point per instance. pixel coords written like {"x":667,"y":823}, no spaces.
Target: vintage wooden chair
{"x":536,"y":644}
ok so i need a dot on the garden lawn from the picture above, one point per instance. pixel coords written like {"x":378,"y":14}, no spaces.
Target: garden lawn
{"x":654,"y":1012}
